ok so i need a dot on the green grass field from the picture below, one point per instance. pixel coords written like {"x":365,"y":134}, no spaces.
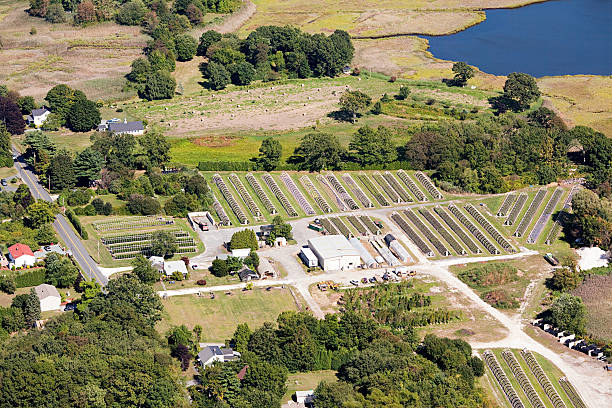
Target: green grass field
{"x":306,"y":381}
{"x":220,"y":316}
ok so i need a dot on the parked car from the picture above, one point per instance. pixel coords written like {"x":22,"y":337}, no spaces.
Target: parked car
{"x":386,"y":276}
{"x":70,"y":306}
{"x":364,"y":280}
{"x":354,"y":282}
{"x":4,"y":183}
{"x":373,"y":279}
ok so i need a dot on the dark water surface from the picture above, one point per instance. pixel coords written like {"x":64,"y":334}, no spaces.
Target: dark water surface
{"x":557,"y":37}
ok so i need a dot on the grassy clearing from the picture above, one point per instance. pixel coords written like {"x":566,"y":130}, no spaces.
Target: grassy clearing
{"x":6,"y":172}
{"x":220,"y":316}
{"x":595,"y":293}
{"x":307,"y":381}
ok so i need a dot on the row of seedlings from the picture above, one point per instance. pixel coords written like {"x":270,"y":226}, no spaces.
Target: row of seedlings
{"x":387,"y":188}
{"x":229,"y":197}
{"x":545,"y":216}
{"x":516,"y":209}
{"x":561,"y":219}
{"x":446,"y":217}
{"x":297,"y":194}
{"x":244,"y":194}
{"x":117,"y":224}
{"x":341,"y":226}
{"x":267,"y":178}
{"x":572,"y":393}
{"x":357,"y":190}
{"x":346,"y":197}
{"x":357,"y":224}
{"x":474,"y":230}
{"x":332,"y":192}
{"x":367,"y":221}
{"x":420,"y":196}
{"x":314,"y":192}
{"x":437,"y":226}
{"x":528,"y":217}
{"x":540,"y":375}
{"x":412,"y":235}
{"x":502,"y":379}
{"x":499,"y":238}
{"x":522,"y":379}
{"x":429,"y":185}
{"x":427,"y":232}
{"x":223,"y":218}
{"x":390,"y":178}
{"x":382,"y":200}
{"x":261,"y":193}
{"x":328,"y":226}
{"x":508,"y":201}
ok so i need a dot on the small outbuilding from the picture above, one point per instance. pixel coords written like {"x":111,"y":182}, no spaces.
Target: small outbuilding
{"x":241,"y":252}
{"x":334,"y":252}
{"x":49,"y":297}
{"x":170,"y":267}
{"x":304,"y":397}
{"x":246,"y":275}
{"x":308,"y":257}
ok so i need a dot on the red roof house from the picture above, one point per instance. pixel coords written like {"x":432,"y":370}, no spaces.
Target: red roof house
{"x":21,"y":255}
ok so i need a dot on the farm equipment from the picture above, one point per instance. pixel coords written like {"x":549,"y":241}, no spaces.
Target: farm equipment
{"x":551,"y":259}
{"x":323,"y":286}
{"x":315,"y":227}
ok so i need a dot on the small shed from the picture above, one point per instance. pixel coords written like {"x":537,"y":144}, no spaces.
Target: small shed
{"x":170,"y":267}
{"x":304,"y":397}
{"x":241,"y":252}
{"x":280,"y":242}
{"x":308,"y":257}
{"x":246,"y":274}
{"x":49,"y":297}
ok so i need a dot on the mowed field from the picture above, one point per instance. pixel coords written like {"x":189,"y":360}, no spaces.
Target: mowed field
{"x":220,"y":316}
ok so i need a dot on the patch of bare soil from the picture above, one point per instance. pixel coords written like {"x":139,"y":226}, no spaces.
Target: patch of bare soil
{"x":596,"y":293}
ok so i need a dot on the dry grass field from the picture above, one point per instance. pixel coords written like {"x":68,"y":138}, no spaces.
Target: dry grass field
{"x":595,"y":293}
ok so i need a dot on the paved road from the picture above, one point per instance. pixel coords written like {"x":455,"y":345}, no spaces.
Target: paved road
{"x":61,"y":225}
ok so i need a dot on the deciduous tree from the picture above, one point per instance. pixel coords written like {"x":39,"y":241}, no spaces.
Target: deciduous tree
{"x":10,"y":115}
{"x":354,"y":102}
{"x":270,"y":153}
{"x":319,"y":151}
{"x":163,"y":243}
{"x":463,"y":72}
{"x":521,"y":88}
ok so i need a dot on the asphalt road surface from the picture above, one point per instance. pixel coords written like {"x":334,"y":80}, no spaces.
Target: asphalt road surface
{"x":61,"y":224}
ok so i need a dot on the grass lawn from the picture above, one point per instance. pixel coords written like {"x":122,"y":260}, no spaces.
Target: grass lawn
{"x":220,"y":316}
{"x":307,"y":381}
{"x":7,"y":172}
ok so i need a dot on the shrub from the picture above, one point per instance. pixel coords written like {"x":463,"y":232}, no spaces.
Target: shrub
{"x":7,"y":284}
{"x":186,"y":47}
{"x":76,"y":224}
{"x":244,"y":239}
{"x":201,"y":282}
{"x":33,"y":277}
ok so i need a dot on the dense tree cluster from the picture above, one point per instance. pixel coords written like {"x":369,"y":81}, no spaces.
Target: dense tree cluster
{"x":271,"y":53}
{"x":71,"y":107}
{"x":243,"y":239}
{"x":592,"y":218}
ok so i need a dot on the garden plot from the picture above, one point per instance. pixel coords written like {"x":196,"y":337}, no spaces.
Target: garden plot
{"x":484,"y":223}
{"x":416,"y":221}
{"x":341,"y":192}
{"x":276,"y":190}
{"x":414,"y":189}
{"x":561,"y":219}
{"x":516,"y":209}
{"x":390,"y":178}
{"x":341,"y":226}
{"x":297,"y":194}
{"x":315,"y":194}
{"x":506,"y":205}
{"x":411,"y":234}
{"x":450,"y":221}
{"x":244,"y":194}
{"x":131,"y":223}
{"x":545,"y":216}
{"x":223,"y":218}
{"x":328,"y":226}
{"x":437,"y":226}
{"x":229,"y":198}
{"x":542,"y":378}
{"x":391,"y":193}
{"x":474,"y":230}
{"x":429,"y":185}
{"x":365,"y":180}
{"x":128,"y":246}
{"x":261,"y":194}
{"x":369,"y":224}
{"x":365,"y":201}
{"x":502,"y":379}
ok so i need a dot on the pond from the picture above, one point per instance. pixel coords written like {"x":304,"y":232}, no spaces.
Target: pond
{"x":560,"y":37}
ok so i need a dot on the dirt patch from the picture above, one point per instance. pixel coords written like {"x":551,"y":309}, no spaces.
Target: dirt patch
{"x":595,"y":293}
{"x":214,"y":141}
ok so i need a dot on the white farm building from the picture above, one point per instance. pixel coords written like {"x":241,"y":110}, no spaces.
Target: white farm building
{"x":334,"y":252}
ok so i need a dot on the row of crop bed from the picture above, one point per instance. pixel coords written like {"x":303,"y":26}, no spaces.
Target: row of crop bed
{"x":229,"y":197}
{"x":516,"y":210}
{"x":508,"y":201}
{"x":412,"y":235}
{"x":531,"y":211}
{"x":147,"y":252}
{"x":437,"y":226}
{"x":357,"y":224}
{"x":397,"y":187}
{"x":276,"y":190}
{"x":315,"y":194}
{"x":446,"y":217}
{"x":328,"y":226}
{"x":427,"y":232}
{"x":429,"y":185}
{"x":572,"y":393}
{"x":420,"y":196}
{"x":542,"y":378}
{"x":145,"y":246}
{"x":261,"y":193}
{"x":382,"y":200}
{"x":502,"y":380}
{"x":522,"y":379}
{"x":339,"y":188}
{"x":367,"y":221}
{"x":297,"y":194}
{"x":118,"y":224}
{"x":386,"y":188}
{"x":545,"y":216}
{"x":224,"y":219}
{"x":561,"y":218}
{"x":244,"y":194}
{"x":341,"y":226}
{"x":499,"y":238}
{"x":474,"y":230}
{"x":365,"y":201}
{"x":141,"y":236}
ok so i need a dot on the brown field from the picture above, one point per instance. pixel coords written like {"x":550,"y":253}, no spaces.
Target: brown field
{"x":595,"y":293}
{"x":93,"y":59}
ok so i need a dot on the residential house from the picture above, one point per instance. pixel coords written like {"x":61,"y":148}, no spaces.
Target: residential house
{"x":246,"y":275}
{"x":38,"y":116}
{"x":304,"y":397}
{"x":20,"y":256}
{"x":49,"y":297}
{"x":170,"y":267}
{"x":157,"y":262}
{"x":210,"y":354}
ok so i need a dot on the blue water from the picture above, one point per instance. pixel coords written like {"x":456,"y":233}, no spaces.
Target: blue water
{"x":559,"y":37}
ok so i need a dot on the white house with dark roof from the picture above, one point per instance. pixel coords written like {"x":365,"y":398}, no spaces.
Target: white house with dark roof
{"x":49,"y":297}
{"x":38,"y":116}
{"x":210,"y":354}
{"x":131,"y":128}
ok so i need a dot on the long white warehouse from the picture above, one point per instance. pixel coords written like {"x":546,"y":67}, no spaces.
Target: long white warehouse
{"x":334,"y":252}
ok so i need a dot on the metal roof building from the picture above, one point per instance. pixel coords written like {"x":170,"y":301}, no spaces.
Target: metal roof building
{"x":367,"y":258}
{"x":334,"y":252}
